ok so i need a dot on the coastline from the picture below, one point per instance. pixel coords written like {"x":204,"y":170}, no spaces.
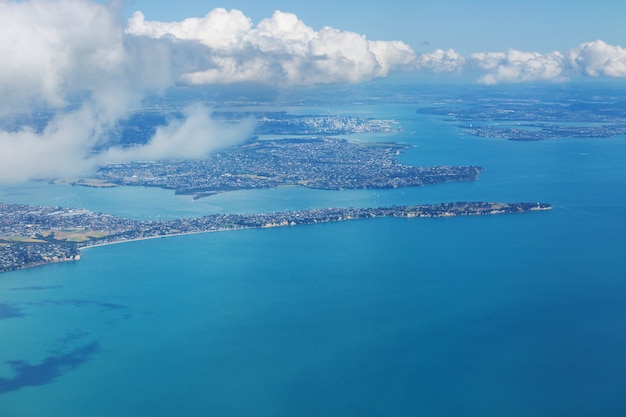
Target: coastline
{"x":26,"y":255}
{"x":45,"y":263}
{"x":117,"y":242}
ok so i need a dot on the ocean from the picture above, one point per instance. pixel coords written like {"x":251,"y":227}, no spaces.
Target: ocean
{"x":509,"y":315}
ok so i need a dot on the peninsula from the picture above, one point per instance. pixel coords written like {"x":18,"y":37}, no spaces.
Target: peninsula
{"x":37,"y":235}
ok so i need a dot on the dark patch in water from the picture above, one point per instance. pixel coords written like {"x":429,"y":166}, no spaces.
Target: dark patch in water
{"x":27,"y":375}
{"x":79,"y":303}
{"x":37,"y":288}
{"x":72,"y":337}
{"x":8,"y":311}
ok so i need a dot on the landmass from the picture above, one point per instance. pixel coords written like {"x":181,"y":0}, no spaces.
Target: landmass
{"x":533,"y":116}
{"x":283,"y":123}
{"x":38,"y":235}
{"x":140,"y":127}
{"x":542,"y":131}
{"x":322,"y":163}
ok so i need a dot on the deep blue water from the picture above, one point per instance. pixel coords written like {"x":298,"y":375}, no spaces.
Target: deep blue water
{"x":512,"y":315}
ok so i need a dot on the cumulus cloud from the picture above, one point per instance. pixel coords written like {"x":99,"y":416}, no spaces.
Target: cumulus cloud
{"x":441,"y":61}
{"x":280,"y":50}
{"x":590,"y":59}
{"x":219,"y":29}
{"x":50,"y":49}
{"x":519,"y":66}
{"x":598,"y":59}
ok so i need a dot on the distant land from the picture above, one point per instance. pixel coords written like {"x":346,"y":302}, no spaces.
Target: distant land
{"x":38,"y":235}
{"x":322,"y":163}
{"x":140,"y":127}
{"x":536,"y":115}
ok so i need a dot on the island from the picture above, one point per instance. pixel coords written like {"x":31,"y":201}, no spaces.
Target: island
{"x":321,"y":162}
{"x":535,"y":115}
{"x":38,"y":235}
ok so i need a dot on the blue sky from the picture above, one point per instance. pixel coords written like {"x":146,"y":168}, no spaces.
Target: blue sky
{"x":466,"y":26}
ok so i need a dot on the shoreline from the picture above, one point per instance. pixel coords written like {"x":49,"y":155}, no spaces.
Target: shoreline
{"x":539,"y":207}
{"x":27,"y":255}
{"x":138,"y":239}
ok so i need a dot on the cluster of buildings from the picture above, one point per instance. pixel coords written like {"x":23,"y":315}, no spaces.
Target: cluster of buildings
{"x":34,"y":235}
{"x":25,"y":255}
{"x":286,"y":124}
{"x":41,"y":222}
{"x":323,"y":163}
{"x":530,"y":132}
{"x":534,"y":119}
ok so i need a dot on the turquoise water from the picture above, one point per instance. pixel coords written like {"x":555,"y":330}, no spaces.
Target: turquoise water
{"x":512,"y":315}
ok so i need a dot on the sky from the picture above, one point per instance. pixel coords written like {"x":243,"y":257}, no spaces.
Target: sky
{"x":466,"y":26}
{"x":91,"y":63}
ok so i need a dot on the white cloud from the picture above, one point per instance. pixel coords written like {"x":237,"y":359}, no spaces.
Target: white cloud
{"x":283,"y":32}
{"x":280,"y":50}
{"x":61,"y":150}
{"x":441,"y":61}
{"x":591,"y":59}
{"x":516,"y":66}
{"x":192,"y":137}
{"x":219,"y":29}
{"x":392,"y":55}
{"x":52,"y":46}
{"x":598,"y":59}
